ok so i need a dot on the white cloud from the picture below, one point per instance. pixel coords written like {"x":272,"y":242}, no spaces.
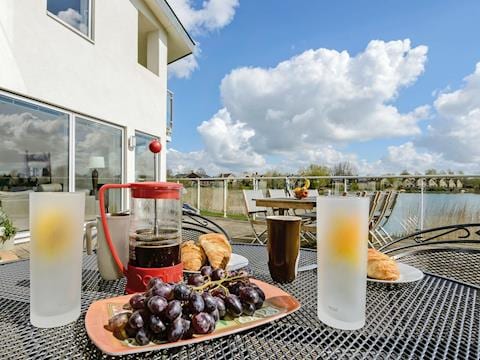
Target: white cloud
{"x":228,"y":143}
{"x":184,"y":68}
{"x":306,"y":107}
{"x":212,"y":16}
{"x":182,"y":163}
{"x":456,"y":129}
{"x":323,"y":96}
{"x":73,"y":18}
{"x":36,"y":133}
{"x":406,"y":156}
{"x":409,"y":157}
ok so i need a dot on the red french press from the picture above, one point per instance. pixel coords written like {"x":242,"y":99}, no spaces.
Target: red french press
{"x":154,"y":233}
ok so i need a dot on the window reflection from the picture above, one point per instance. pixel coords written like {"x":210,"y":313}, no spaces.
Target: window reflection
{"x":33,"y":155}
{"x":98,"y":161}
{"x":143,"y":157}
{"x":75,"y":13}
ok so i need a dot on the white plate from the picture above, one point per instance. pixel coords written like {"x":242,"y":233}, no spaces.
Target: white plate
{"x":236,"y":262}
{"x":407,"y":274}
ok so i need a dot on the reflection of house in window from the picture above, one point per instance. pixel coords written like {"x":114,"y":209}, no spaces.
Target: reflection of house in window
{"x":36,"y":164}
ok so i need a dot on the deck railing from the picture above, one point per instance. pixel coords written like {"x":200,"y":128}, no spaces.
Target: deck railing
{"x":223,"y":196}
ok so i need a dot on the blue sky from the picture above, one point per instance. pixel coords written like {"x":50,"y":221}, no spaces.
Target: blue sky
{"x":262,"y":34}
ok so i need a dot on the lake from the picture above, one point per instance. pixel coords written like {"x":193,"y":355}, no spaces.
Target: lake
{"x":439,"y":209}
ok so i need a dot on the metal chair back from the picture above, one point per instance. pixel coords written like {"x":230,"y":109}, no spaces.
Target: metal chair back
{"x":451,"y":251}
{"x":194,"y":225}
{"x":276,"y":193}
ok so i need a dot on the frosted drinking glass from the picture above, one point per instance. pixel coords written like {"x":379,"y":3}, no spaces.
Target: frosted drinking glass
{"x":342,"y":243}
{"x":56,"y":228}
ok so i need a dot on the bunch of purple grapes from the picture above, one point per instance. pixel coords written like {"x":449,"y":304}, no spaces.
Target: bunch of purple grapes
{"x":170,"y":312}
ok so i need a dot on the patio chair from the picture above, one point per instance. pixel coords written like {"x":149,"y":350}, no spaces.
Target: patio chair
{"x":451,"y":252}
{"x":256,"y":214}
{"x":378,"y":235}
{"x":309,"y":232}
{"x":276,"y":193}
{"x":307,"y":216}
{"x":194,"y":225}
{"x":376,"y":206}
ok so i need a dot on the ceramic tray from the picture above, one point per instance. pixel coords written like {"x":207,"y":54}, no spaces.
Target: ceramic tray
{"x":277,"y":304}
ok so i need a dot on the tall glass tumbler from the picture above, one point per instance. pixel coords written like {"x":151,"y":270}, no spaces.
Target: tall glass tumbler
{"x":283,"y":247}
{"x":342,"y":243}
{"x":56,"y":228}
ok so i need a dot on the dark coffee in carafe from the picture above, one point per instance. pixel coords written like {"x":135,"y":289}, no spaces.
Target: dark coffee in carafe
{"x":149,"y":250}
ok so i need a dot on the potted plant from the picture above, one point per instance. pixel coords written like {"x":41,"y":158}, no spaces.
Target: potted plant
{"x":7,"y":232}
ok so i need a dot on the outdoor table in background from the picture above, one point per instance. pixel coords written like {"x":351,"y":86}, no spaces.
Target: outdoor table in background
{"x":433,"y":318}
{"x":283,"y":204}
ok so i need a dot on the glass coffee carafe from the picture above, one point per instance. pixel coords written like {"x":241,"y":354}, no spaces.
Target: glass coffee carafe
{"x":154,"y":233}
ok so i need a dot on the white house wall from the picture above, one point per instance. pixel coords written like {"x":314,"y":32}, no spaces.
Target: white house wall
{"x":43,"y":59}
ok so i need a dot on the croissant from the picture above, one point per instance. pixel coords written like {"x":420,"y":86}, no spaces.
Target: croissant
{"x":217,"y":248}
{"x":193,"y":256}
{"x":381,"y":266}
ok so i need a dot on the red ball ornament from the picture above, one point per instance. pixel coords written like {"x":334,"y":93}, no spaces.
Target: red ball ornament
{"x":155,"y":146}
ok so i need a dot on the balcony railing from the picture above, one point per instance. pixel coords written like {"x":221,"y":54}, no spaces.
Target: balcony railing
{"x":169,"y":115}
{"x":425,"y":201}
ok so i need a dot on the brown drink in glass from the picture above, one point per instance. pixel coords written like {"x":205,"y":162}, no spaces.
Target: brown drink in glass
{"x":283,"y":247}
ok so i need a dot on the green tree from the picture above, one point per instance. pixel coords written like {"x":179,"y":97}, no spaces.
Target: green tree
{"x":275,"y":183}
{"x":344,"y":168}
{"x":431,"y":172}
{"x":316,"y":170}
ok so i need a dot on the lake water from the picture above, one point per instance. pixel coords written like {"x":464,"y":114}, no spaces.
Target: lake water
{"x":439,"y":209}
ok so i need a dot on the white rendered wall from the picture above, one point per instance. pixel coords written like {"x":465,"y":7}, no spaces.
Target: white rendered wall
{"x":42,"y":59}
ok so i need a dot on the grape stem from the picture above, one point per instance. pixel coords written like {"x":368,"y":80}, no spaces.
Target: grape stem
{"x":227,"y":292}
{"x":218,"y":282}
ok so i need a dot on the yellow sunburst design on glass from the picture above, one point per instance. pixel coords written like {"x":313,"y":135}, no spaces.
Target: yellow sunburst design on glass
{"x":344,"y":239}
{"x":52,"y":233}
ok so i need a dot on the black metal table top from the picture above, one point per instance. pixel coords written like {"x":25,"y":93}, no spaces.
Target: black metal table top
{"x":434,"y":318}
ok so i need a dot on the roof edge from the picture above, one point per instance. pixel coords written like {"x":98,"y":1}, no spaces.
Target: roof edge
{"x":178,"y":21}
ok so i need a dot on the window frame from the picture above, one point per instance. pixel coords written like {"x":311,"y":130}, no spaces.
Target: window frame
{"x":91,"y":16}
{"x":105,"y":123}
{"x":24,"y":236}
{"x":141,"y":132}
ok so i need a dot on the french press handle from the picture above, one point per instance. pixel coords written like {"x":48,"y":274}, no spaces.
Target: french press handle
{"x":101,"y":198}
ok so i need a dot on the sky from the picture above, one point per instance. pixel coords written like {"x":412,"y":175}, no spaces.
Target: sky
{"x":278,"y":85}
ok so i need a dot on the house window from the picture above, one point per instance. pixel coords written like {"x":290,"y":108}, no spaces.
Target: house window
{"x":34,"y":155}
{"x":36,"y":143}
{"x":98,"y":161}
{"x":148,"y":44}
{"x":143,"y":157}
{"x":76,"y":14}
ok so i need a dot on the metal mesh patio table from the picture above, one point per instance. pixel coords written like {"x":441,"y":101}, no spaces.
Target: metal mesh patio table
{"x":433,"y":319}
